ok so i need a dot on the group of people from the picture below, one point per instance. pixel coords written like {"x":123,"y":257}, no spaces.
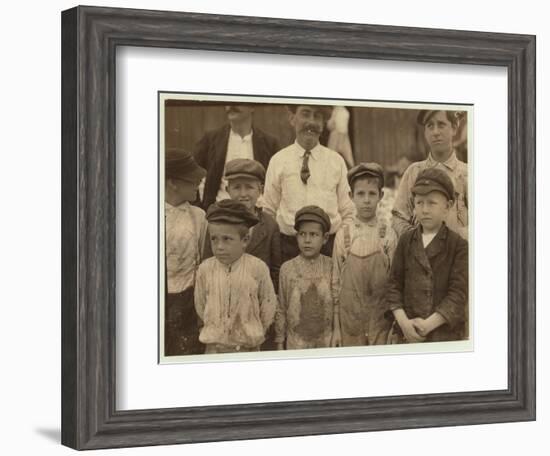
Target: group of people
{"x":287,"y":250}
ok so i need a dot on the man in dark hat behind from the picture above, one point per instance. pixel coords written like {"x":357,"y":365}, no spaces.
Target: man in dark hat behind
{"x":239,"y":138}
{"x":185,"y":228}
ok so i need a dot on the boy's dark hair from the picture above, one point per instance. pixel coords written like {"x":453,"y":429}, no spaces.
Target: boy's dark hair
{"x":326,"y":110}
{"x":368,"y":178}
{"x":323,"y":228}
{"x":452,"y":116}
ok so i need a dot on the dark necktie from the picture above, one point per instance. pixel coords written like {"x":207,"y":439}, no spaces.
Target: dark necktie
{"x":304,"y":172}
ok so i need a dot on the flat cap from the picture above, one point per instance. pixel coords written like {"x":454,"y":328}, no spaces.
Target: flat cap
{"x":366,"y":169}
{"x":312,"y":214}
{"x":434,"y":180}
{"x":244,"y":167}
{"x":180,"y":164}
{"x":232,"y":212}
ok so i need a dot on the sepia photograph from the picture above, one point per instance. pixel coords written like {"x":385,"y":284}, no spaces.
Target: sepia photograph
{"x":296,"y":227}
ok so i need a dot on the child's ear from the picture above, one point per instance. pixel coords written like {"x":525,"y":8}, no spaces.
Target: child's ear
{"x":325,"y":238}
{"x":246,"y":238}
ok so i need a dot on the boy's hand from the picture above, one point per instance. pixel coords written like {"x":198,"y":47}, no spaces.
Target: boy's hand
{"x":280,"y":346}
{"x":382,"y":229}
{"x":426,"y":326}
{"x":409,"y":331}
{"x":421,"y":326}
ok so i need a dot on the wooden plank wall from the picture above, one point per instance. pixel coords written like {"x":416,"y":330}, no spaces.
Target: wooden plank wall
{"x":383,"y":135}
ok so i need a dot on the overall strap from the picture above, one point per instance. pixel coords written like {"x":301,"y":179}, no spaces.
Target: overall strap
{"x":347,"y":239}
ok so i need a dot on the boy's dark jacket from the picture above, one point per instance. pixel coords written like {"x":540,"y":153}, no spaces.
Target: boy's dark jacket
{"x":435,"y":279}
{"x":265,"y":244}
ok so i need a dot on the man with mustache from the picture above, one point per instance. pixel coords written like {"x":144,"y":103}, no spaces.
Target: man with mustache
{"x":237,"y":139}
{"x":307,"y":173}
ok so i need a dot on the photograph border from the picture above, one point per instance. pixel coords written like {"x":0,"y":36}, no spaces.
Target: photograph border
{"x":456,"y":346}
{"x":90,"y":36}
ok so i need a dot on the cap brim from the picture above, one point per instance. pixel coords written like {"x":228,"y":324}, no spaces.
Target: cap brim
{"x":242,"y":176}
{"x":230,"y":220}
{"x":366,"y":173}
{"x":310,"y":218}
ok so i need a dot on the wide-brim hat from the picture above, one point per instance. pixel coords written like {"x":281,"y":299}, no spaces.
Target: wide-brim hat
{"x":180,"y":164}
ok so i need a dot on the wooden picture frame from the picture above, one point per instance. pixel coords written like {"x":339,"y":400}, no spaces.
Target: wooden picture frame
{"x":90,"y":36}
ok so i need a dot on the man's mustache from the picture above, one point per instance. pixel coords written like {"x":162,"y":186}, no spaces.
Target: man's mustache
{"x":311,"y":128}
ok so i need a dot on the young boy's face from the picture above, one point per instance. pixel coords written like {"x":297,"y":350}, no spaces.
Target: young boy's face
{"x":245,"y":190}
{"x":366,"y":196}
{"x":228,"y":241}
{"x":431,"y":210}
{"x":311,"y":239}
{"x":178,"y":191}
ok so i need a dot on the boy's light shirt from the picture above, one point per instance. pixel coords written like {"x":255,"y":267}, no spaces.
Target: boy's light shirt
{"x":236,"y":302}
{"x":296,"y":278}
{"x":427,"y":238}
{"x":185,"y":228}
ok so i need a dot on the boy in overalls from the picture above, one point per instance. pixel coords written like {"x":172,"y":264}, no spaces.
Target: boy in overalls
{"x":361,"y":264}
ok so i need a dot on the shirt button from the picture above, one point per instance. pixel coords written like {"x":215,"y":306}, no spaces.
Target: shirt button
{"x":238,"y":347}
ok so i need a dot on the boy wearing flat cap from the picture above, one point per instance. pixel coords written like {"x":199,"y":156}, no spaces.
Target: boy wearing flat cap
{"x":234,"y":295}
{"x":361,"y":259}
{"x":440,"y":128}
{"x":428,"y":286}
{"x":185,"y":228}
{"x":305,"y":311}
{"x":245,"y":184}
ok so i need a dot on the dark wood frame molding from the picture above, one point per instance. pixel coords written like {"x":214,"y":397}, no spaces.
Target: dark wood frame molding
{"x":90,"y":37}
